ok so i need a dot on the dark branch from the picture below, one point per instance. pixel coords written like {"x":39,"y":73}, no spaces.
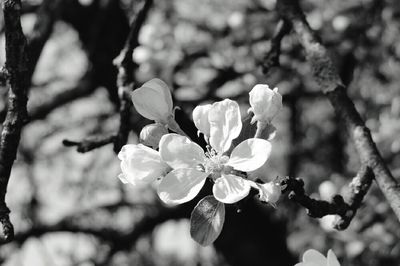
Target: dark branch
{"x":346,"y":210}
{"x":358,"y":189}
{"x":125,"y":80}
{"x":85,"y":87}
{"x":271,"y":59}
{"x":46,"y":16}
{"x":3,"y":76}
{"x":327,"y":77}
{"x":17,"y":67}
{"x":90,"y":143}
{"x":315,"y":208}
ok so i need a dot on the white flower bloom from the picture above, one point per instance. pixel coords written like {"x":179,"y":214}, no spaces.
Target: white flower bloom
{"x":151,"y":134}
{"x":140,"y":165}
{"x":192,"y":166}
{"x":270,"y":192}
{"x":154,"y":101}
{"x":314,"y":258}
{"x":265,"y":103}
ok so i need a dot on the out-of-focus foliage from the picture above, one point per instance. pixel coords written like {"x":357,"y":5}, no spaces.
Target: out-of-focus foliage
{"x":209,"y":50}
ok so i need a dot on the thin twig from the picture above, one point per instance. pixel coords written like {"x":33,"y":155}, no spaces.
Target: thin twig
{"x":90,"y":143}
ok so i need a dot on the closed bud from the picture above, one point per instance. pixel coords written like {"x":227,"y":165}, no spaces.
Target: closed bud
{"x":270,"y":192}
{"x":151,"y":134}
{"x":265,"y":103}
{"x":154,"y":101}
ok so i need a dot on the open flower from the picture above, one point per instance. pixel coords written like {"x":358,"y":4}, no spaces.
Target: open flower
{"x":154,"y":101}
{"x":314,"y":258}
{"x":265,"y":103}
{"x":140,"y":165}
{"x":191,"y":165}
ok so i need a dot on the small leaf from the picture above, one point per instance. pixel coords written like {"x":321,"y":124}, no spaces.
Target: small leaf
{"x":207,"y":220}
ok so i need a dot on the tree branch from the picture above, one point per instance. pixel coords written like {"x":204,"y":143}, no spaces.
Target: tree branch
{"x":86,"y":85}
{"x":17,"y":67}
{"x":271,"y":59}
{"x":90,"y":143}
{"x":327,"y":77}
{"x":315,"y":208}
{"x":125,"y":80}
{"x":346,"y":210}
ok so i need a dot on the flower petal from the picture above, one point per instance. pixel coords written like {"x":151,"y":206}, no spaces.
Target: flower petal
{"x":230,"y":189}
{"x":332,"y":259}
{"x":153,"y":100}
{"x":180,"y":152}
{"x":151,"y":134}
{"x":225,"y":124}
{"x":200,"y":118}
{"x":181,"y":185}
{"x":250,"y":154}
{"x":140,"y":164}
{"x":314,"y":258}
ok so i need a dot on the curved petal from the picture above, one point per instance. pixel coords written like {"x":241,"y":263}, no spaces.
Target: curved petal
{"x":314,"y":258}
{"x":250,"y":154}
{"x":151,"y":134}
{"x":230,"y":189}
{"x":200,"y":118}
{"x":332,"y":259}
{"x":180,"y":152}
{"x":181,"y":185}
{"x":225,"y":124}
{"x":141,"y":164}
{"x":153,"y":100}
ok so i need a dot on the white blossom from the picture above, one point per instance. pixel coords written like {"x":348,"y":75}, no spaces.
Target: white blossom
{"x":191,"y":165}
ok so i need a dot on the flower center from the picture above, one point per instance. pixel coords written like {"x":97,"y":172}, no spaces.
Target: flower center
{"x":215,"y":163}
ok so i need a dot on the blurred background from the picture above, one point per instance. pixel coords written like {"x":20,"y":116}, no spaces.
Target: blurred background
{"x":69,"y":208}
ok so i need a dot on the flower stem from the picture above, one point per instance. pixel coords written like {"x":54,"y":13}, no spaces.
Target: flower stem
{"x":260,"y":128}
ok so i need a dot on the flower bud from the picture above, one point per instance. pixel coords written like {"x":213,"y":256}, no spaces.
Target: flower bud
{"x":270,"y":192}
{"x":265,"y":103}
{"x":151,"y":134}
{"x":154,"y":101}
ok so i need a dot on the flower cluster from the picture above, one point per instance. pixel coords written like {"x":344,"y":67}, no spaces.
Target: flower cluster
{"x":181,"y":165}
